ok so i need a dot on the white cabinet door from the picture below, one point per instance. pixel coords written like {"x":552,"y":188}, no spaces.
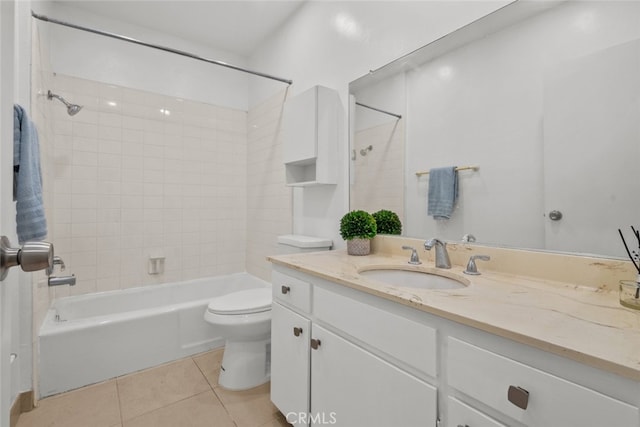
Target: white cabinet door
{"x":289,"y":361}
{"x":300,"y":127}
{"x":461,"y":415}
{"x":353,"y":388}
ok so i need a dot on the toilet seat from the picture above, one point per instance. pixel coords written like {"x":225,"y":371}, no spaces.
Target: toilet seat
{"x":242,"y":302}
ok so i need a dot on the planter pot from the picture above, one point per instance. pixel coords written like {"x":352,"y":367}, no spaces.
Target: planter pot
{"x":359,"y":246}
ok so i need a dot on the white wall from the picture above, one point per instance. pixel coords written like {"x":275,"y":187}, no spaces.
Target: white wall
{"x":89,"y":56}
{"x":333,"y":43}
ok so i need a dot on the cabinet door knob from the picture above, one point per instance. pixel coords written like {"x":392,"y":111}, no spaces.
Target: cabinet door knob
{"x":286,"y":289}
{"x":518,"y":396}
{"x":460,"y":425}
{"x":297,"y":331}
{"x":315,"y":343}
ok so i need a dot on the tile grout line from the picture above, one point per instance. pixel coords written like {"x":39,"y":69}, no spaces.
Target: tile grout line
{"x":213,"y":389}
{"x":119,"y":402}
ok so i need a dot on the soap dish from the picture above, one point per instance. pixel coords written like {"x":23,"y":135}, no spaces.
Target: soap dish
{"x":630,"y":294}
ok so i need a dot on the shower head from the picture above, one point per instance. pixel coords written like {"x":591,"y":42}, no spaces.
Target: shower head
{"x":72,"y":109}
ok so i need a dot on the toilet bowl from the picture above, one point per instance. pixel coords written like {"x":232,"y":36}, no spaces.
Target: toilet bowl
{"x":243,"y":318}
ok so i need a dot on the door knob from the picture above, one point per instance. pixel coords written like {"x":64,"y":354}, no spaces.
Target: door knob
{"x":315,"y":343}
{"x":297,"y":331}
{"x":555,"y":215}
{"x":285,"y":289}
{"x":32,"y":256}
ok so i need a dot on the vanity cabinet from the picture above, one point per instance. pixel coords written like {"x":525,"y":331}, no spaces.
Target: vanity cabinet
{"x":350,"y":358}
{"x":329,"y":369}
{"x":311,"y":127}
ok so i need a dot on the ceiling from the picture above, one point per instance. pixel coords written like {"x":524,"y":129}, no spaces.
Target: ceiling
{"x":236,"y":26}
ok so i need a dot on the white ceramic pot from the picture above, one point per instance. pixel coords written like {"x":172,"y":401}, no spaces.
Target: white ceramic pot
{"x":359,"y":246}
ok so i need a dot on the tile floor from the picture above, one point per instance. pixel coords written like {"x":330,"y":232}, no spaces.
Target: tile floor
{"x":184,"y":393}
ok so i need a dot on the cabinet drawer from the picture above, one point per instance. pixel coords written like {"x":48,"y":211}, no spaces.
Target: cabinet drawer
{"x":406,"y":340}
{"x":552,"y":401}
{"x":461,"y":415}
{"x":292,"y":291}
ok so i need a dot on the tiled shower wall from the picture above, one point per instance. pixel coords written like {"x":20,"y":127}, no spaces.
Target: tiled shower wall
{"x":140,"y":175}
{"x":269,"y":200}
{"x":379,"y":173}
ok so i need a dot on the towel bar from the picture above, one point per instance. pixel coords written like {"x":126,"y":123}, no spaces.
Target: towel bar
{"x":461,"y":168}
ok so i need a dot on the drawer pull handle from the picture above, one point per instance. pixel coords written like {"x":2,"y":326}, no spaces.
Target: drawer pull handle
{"x":315,"y":343}
{"x":518,"y":396}
{"x":286,"y":289}
{"x":297,"y":331}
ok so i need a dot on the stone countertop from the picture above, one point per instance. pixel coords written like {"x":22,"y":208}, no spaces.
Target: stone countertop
{"x":585,"y":324}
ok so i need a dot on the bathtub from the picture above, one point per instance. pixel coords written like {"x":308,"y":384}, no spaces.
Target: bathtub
{"x":90,"y":338}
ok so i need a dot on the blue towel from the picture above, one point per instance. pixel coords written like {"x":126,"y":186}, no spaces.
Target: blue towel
{"x":443,"y":192}
{"x":30,"y":219}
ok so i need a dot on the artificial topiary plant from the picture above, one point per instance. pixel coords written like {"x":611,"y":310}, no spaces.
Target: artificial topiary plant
{"x":358,"y":225}
{"x":387,"y":222}
{"x":358,"y":228}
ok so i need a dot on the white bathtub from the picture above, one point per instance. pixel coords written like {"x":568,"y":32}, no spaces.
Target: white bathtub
{"x":90,"y":338}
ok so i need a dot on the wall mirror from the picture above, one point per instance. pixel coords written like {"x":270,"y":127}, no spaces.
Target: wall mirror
{"x":543,"y":97}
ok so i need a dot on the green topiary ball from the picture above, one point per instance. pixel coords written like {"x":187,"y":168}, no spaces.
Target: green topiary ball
{"x":357,"y":225}
{"x":387,"y":222}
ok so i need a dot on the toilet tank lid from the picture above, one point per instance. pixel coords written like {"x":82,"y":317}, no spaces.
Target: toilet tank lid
{"x":305,"y":242}
{"x":242,"y":302}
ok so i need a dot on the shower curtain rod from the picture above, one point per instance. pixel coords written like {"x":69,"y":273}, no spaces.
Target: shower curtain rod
{"x":379,"y":110}
{"x":155,"y":46}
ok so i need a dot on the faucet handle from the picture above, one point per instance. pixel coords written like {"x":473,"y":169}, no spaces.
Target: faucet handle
{"x":471,"y":265}
{"x":56,"y":261}
{"x":468,"y":238}
{"x":415,"y":259}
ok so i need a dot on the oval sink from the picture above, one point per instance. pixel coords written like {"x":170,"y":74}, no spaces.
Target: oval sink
{"x":413,"y":279}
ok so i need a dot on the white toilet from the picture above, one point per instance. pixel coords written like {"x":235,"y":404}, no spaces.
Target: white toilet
{"x":244,"y":320}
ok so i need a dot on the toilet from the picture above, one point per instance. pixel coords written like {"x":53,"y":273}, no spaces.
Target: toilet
{"x":244,"y":320}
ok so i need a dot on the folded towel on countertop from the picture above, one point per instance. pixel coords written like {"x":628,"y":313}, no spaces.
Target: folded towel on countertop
{"x":30,"y":217}
{"x":443,"y":192}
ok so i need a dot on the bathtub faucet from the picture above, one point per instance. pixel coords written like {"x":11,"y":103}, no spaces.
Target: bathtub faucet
{"x":64,"y":280}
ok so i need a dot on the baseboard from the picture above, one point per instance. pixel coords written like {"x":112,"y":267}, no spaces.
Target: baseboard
{"x":23,"y":403}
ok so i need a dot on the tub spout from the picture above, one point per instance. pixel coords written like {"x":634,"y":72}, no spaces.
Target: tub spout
{"x":64,"y":280}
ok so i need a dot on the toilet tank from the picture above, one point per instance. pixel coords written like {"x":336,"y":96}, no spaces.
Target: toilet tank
{"x":295,"y":243}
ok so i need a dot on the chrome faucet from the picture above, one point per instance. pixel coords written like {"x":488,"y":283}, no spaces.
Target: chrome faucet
{"x":57,"y":281}
{"x":415,"y":259}
{"x":64,"y":280}
{"x":442,"y":256}
{"x":471,"y":265}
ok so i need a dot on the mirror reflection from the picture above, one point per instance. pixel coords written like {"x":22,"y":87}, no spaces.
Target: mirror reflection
{"x":543,"y":99}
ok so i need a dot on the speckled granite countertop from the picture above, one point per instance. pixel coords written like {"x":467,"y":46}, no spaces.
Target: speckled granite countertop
{"x":586,"y":324}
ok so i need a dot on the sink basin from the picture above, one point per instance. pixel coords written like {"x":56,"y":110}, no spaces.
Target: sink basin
{"x":412,"y":279}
